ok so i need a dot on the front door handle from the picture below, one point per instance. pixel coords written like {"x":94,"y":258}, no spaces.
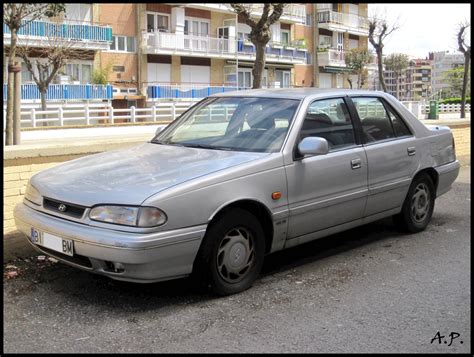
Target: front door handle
{"x":355,"y":164}
{"x":411,"y":151}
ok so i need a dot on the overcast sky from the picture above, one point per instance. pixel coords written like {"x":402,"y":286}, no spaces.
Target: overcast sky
{"x":423,"y":27}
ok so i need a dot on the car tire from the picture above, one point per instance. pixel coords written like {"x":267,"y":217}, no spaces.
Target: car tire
{"x":418,"y":206}
{"x":231,"y":254}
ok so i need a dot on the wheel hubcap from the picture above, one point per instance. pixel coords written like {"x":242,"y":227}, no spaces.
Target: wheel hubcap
{"x":420,"y":202}
{"x":235,"y":255}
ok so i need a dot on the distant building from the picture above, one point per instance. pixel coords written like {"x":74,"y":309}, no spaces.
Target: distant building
{"x":414,"y":83}
{"x":442,"y":62}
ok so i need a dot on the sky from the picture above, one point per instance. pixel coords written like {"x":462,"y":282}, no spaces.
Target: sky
{"x":423,"y":27}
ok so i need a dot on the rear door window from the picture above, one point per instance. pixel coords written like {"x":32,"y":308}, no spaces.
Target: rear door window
{"x":376,"y":123}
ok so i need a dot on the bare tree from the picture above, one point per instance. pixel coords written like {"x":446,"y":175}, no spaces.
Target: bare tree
{"x":466,"y":51}
{"x":45,"y":62}
{"x":15,"y":16}
{"x":260,"y":34}
{"x":379,"y":29}
{"x":357,"y":60}
{"x":397,"y":62}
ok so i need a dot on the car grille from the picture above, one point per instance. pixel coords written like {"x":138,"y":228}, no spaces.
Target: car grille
{"x":69,"y":209}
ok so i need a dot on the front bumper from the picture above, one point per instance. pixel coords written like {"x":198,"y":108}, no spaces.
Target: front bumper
{"x":143,"y":258}
{"x":447,"y":174}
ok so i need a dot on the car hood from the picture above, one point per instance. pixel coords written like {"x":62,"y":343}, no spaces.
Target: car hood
{"x":129,"y":176}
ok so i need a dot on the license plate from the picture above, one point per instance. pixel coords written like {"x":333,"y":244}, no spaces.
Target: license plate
{"x":47,"y":240}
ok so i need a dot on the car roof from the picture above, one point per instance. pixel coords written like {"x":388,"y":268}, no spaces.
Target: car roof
{"x":296,"y":93}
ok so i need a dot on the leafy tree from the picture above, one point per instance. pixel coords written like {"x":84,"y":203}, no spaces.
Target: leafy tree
{"x":397,"y":62}
{"x":356,"y":60}
{"x":466,"y":51}
{"x":260,"y":34}
{"x":455,"y":77}
{"x":379,"y":30}
{"x":15,"y":16}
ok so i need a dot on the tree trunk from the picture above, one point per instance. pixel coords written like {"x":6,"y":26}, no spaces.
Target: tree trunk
{"x":380,"y":66}
{"x":359,"y":86}
{"x":259,"y":65}
{"x":42,"y":91}
{"x":467,"y":58}
{"x":10,"y":90}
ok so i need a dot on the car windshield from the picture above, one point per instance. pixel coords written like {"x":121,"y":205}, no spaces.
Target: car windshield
{"x":233,"y":123}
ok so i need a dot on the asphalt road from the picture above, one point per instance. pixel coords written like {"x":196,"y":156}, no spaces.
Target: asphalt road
{"x":370,"y":289}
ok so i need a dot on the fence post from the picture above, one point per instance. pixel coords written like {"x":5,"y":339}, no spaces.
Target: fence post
{"x":153,"y":113}
{"x":33,"y":117}
{"x":61,"y":117}
{"x":132,"y":114}
{"x":111,"y":114}
{"x":173,"y":111}
{"x":86,"y":113}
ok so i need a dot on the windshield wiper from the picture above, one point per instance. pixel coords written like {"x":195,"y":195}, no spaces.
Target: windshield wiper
{"x":202,"y":146}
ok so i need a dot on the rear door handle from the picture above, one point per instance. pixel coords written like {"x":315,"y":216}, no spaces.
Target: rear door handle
{"x":411,"y":151}
{"x":355,"y":164}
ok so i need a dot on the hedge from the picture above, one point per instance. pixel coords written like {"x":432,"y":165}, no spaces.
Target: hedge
{"x":454,"y":101}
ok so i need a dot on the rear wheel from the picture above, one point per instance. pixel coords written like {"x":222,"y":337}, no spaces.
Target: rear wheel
{"x":231,"y":255}
{"x":418,"y":206}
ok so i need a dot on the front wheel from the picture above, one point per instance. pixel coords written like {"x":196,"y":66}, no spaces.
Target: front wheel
{"x":418,"y":206}
{"x":231,"y":255}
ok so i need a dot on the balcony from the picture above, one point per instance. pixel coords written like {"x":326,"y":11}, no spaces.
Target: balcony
{"x":188,"y":45}
{"x":335,"y":58}
{"x":213,"y":47}
{"x":79,"y":35}
{"x":68,"y":92}
{"x":185,"y":91}
{"x":338,"y":21}
{"x":192,"y":91}
{"x":275,"y":52}
{"x":294,"y":13}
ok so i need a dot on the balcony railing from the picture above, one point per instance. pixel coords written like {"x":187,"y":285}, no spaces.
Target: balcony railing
{"x":65,"y":92}
{"x":294,"y":12}
{"x":192,"y":90}
{"x":332,"y":57}
{"x":275,"y":50}
{"x":352,"y":23}
{"x":186,"y":43}
{"x":291,"y":12}
{"x":185,"y":91}
{"x":335,"y":58}
{"x":208,"y":46}
{"x":65,"y":30}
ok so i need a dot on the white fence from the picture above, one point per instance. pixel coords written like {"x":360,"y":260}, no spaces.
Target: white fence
{"x":447,"y":108}
{"x":90,"y":115}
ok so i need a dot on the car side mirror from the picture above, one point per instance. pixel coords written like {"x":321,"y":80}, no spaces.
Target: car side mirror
{"x":312,"y":145}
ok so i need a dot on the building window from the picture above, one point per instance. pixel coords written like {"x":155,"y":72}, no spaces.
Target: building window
{"x":309,"y":19}
{"x":285,"y":37}
{"x":123,"y":44}
{"x":196,"y":27}
{"x":309,"y":60}
{"x":157,"y":22}
{"x":79,"y":71}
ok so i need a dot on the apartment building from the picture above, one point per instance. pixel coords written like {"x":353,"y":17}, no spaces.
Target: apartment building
{"x":165,"y":51}
{"x":414,"y":83}
{"x":441,"y":63}
{"x":339,"y":28}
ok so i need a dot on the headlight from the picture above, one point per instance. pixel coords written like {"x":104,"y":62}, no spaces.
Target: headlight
{"x":33,"y":195}
{"x":129,"y":216}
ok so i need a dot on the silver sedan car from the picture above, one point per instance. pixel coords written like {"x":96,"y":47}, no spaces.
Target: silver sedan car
{"x":238,"y":176}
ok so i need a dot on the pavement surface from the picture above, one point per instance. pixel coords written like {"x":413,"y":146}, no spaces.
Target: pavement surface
{"x":370,"y":289}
